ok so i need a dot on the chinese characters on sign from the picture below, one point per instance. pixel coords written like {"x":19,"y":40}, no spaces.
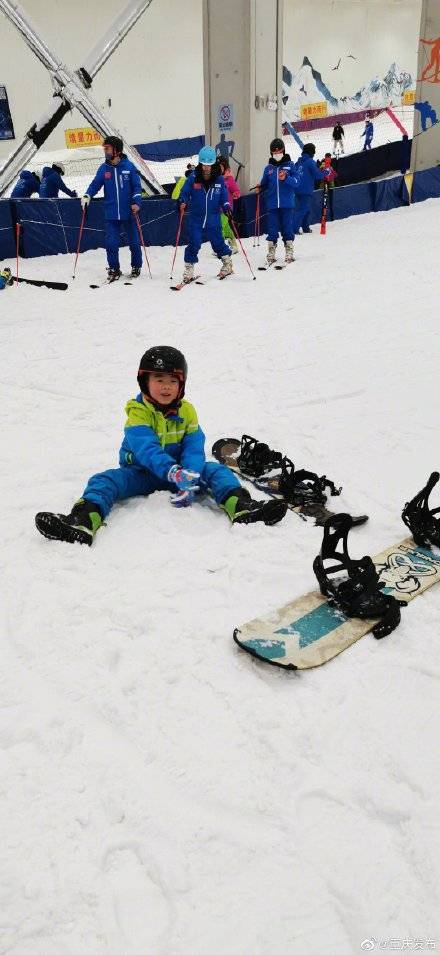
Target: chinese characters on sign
{"x":314,"y":110}
{"x":225,"y":117}
{"x":75,"y":138}
{"x":408,"y":98}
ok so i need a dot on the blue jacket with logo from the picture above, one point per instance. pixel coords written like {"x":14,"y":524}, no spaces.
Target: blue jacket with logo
{"x":122,"y":188}
{"x":279,"y":193}
{"x":52,"y":184}
{"x":156,"y":439}
{"x":206,"y":199}
{"x":307,"y":172}
{"x":27,"y":184}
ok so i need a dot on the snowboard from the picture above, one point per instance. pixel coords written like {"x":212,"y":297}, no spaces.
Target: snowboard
{"x":226,"y":450}
{"x":308,"y":632}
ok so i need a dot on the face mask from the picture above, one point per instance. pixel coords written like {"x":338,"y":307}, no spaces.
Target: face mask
{"x":278,"y":157}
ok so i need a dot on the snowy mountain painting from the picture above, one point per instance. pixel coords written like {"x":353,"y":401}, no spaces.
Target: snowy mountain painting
{"x":307,"y":86}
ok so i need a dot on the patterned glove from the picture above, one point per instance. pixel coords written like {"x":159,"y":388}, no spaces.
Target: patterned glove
{"x":185,"y":480}
{"x":183,"y":498}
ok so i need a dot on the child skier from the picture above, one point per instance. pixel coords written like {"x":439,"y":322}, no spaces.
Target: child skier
{"x":307,"y":172}
{"x":279,"y":183}
{"x":5,"y":278}
{"x":206,"y":195}
{"x":162,"y":450}
{"x":52,"y":183}
{"x":122,"y":197}
{"x":233,"y":193}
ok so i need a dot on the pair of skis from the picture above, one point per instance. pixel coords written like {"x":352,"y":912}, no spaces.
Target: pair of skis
{"x":197,"y":280}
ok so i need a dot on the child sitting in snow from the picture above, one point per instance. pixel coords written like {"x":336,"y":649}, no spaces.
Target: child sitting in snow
{"x":162,"y":450}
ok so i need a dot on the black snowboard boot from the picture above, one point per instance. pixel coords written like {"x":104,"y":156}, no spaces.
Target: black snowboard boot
{"x":79,"y":526}
{"x":135,"y":273}
{"x":242,"y":509}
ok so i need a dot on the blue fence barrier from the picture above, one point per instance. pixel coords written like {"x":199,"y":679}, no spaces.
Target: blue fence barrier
{"x":51,"y":226}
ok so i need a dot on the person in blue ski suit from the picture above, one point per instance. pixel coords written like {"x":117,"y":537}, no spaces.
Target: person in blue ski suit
{"x":206,"y":196}
{"x":27,"y":183}
{"x":122,"y":196}
{"x":307,"y":172}
{"x":163,"y":449}
{"x":368,"y":132}
{"x":52,"y":183}
{"x":278,"y":185}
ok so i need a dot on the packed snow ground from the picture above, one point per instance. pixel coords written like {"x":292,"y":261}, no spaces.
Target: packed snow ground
{"x":162,"y":793}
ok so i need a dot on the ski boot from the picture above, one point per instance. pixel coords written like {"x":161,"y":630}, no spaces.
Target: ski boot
{"x":79,"y":526}
{"x":233,"y":246}
{"x":356,"y":591}
{"x":188,"y":273}
{"x":304,"y":487}
{"x":417,"y":515}
{"x":256,"y":458}
{"x":242,"y":509}
{"x":271,"y":252}
{"x":289,"y":257}
{"x":226,"y":268}
{"x":135,"y":273}
{"x":113,"y":275}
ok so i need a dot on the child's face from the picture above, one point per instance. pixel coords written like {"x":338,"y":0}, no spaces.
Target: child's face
{"x":163,"y":388}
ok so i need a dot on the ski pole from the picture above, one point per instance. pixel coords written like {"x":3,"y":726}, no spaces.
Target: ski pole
{"x":257,"y":222}
{"x":234,"y":229}
{"x":324,"y":210}
{"x":17,"y":235}
{"x":138,"y":223}
{"x":79,"y":239}
{"x":179,"y":229}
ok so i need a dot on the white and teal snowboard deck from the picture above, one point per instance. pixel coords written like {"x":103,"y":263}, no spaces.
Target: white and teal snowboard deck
{"x":308,"y":632}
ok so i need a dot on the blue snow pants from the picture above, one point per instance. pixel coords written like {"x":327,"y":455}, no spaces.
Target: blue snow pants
{"x":301,"y":216}
{"x":367,"y":144}
{"x":113,"y":241}
{"x":117,"y":484}
{"x":211,"y":233}
{"x":280,"y":221}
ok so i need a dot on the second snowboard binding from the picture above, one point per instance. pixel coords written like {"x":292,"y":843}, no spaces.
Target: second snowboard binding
{"x":420,"y":518}
{"x":353,"y":586}
{"x":296,"y":486}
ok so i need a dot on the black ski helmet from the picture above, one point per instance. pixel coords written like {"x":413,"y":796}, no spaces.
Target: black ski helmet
{"x":162,"y":358}
{"x":309,"y":149}
{"x":115,"y":142}
{"x":277,"y":144}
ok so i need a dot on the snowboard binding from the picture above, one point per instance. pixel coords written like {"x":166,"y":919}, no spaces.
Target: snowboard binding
{"x":420,"y":518}
{"x":256,"y":458}
{"x":356,"y":590}
{"x":304,"y":487}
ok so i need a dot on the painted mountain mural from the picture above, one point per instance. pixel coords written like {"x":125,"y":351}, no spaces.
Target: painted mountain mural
{"x":307,"y":86}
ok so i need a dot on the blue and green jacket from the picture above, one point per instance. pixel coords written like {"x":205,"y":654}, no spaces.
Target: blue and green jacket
{"x":156,"y":440}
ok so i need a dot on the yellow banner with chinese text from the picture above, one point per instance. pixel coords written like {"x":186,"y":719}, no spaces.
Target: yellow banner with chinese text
{"x":77,"y":138}
{"x":314,"y":110}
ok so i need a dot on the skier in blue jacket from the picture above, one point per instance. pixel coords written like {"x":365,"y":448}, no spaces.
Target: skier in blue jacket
{"x":52,"y":183}
{"x":27,"y":183}
{"x":122,"y":196}
{"x":307,"y":172}
{"x":206,"y":196}
{"x":278,"y":185}
{"x":368,"y":132}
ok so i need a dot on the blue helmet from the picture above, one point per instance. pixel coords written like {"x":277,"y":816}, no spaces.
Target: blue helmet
{"x":207,"y":156}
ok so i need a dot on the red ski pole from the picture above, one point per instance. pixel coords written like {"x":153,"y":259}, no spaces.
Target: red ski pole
{"x":17,"y":239}
{"x":234,"y":229}
{"x":179,"y":229}
{"x":138,"y":223}
{"x":257,"y":222}
{"x":79,"y":239}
